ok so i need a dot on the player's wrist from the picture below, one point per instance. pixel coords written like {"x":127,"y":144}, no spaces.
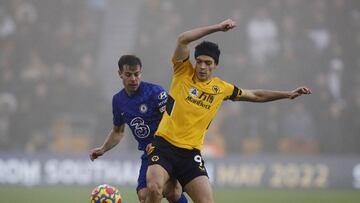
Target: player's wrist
{"x":289,"y":95}
{"x":218,"y":27}
{"x":102,"y":149}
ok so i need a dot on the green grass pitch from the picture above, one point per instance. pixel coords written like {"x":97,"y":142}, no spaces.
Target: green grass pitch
{"x":81,"y":194}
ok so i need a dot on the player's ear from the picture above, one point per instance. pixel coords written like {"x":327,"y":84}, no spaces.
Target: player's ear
{"x":215,"y":66}
{"x":120,"y":75}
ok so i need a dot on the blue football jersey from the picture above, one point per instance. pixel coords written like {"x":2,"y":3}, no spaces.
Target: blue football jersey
{"x":141,"y":111}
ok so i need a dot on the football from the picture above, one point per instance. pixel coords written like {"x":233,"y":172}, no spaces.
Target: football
{"x":105,"y":194}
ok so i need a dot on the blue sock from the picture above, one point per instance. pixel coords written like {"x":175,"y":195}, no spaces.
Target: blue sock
{"x":182,"y":199}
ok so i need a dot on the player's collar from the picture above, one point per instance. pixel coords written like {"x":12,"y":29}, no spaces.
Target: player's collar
{"x":136,"y":92}
{"x":196,"y":80}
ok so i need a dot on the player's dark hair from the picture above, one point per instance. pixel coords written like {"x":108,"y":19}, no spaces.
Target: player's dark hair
{"x":209,"y":49}
{"x":130,"y":60}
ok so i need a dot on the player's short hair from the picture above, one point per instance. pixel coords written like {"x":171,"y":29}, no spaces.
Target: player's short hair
{"x":130,"y":60}
{"x":209,"y":49}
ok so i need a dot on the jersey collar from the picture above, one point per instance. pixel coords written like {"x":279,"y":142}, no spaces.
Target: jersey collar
{"x":136,"y":92}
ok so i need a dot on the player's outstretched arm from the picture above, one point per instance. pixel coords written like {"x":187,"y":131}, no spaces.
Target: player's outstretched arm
{"x":182,"y":51}
{"x":271,"y":95}
{"x":113,"y":138}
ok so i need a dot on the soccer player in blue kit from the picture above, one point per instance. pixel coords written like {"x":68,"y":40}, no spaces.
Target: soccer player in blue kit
{"x":140,"y":105}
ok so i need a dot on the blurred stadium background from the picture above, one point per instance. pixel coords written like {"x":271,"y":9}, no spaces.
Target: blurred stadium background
{"x":58,"y":63}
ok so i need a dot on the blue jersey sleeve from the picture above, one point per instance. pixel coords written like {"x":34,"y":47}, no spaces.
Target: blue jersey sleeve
{"x":117,"y":117}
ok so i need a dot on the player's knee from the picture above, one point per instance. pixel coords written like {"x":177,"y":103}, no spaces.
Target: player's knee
{"x":141,"y":197}
{"x":203,"y":199}
{"x":141,"y":200}
{"x":206,"y":199}
{"x":154,"y":189}
{"x":174,"y":194}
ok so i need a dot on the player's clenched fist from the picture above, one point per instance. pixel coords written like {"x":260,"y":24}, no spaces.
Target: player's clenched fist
{"x":95,"y":153}
{"x":227,"y":25}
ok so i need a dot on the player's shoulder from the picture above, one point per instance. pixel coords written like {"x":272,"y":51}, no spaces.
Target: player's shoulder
{"x":152,"y":87}
{"x":220,"y":85}
{"x":155,"y":90}
{"x":220,"y":82}
{"x":119,"y":95}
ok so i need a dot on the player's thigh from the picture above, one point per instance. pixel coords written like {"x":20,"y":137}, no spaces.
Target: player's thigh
{"x":156,"y":174}
{"x":160,"y":163}
{"x":172,"y":185}
{"x":199,"y":190}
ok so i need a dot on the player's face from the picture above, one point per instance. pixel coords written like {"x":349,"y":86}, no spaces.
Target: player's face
{"x":205,"y":65}
{"x":131,"y":76}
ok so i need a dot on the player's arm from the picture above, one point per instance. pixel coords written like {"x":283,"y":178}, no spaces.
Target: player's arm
{"x":182,"y":50}
{"x":270,"y":95}
{"x":113,"y":138}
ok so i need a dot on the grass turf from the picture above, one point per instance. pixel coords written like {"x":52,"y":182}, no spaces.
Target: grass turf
{"x":81,"y":194}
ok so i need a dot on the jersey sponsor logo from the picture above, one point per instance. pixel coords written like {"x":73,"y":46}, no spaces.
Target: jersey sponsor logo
{"x":143,"y":108}
{"x":140,"y":129}
{"x":162,"y":95}
{"x":198,"y":102}
{"x":206,"y":97}
{"x":162,"y":109}
{"x":162,"y":102}
{"x":201,"y":99}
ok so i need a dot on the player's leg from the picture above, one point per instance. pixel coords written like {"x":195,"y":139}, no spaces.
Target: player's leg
{"x":142,"y":195}
{"x":156,"y":178}
{"x":141,"y":182}
{"x":159,"y":170}
{"x":191,"y":172}
{"x":199,"y":190}
{"x":173,"y":192}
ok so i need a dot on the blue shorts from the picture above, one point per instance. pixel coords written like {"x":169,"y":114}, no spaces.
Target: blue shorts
{"x":141,"y":182}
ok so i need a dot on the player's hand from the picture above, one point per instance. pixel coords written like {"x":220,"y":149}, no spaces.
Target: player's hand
{"x":299,"y":91}
{"x":227,"y":25}
{"x":95,"y":153}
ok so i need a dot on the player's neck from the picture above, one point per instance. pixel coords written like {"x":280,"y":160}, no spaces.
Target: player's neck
{"x":196,"y":79}
{"x":130,"y":92}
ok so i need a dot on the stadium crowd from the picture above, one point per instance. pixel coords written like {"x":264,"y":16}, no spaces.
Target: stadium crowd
{"x":47,"y":70}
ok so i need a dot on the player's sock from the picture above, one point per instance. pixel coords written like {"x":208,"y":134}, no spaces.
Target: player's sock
{"x":182,"y":199}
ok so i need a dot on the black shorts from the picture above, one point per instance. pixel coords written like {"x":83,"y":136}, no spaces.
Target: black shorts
{"x":182,"y":164}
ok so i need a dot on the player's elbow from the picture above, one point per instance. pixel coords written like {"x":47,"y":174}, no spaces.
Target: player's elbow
{"x":259,"y":100}
{"x":119,"y":136}
{"x":260,"y":97}
{"x":183,"y":39}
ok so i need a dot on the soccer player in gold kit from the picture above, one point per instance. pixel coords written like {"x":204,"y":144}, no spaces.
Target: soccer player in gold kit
{"x":194,"y":98}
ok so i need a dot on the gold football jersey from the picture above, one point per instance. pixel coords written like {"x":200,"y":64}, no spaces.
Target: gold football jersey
{"x":191,"y":106}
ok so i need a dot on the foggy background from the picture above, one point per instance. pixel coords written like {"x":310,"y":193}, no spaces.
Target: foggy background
{"x":58,"y":71}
